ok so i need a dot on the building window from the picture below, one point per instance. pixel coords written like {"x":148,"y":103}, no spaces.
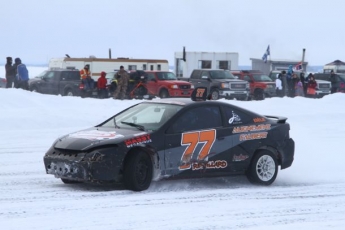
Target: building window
{"x":223,"y":65}
{"x":151,"y":67}
{"x":158,"y":67}
{"x":144,"y":66}
{"x":205,"y":64}
{"x":132,"y":67}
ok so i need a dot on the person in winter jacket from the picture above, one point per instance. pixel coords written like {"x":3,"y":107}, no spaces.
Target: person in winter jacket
{"x":102,"y":85}
{"x":22,"y":74}
{"x":311,"y":86}
{"x":122,"y":83}
{"x":299,"y":91}
{"x":10,"y":72}
{"x":284,"y":83}
{"x":333,"y":80}
{"x":279,"y":86}
{"x":86,"y":79}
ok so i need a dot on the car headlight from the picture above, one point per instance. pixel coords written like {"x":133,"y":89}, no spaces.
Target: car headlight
{"x":192,"y":87}
{"x":174,"y":86}
{"x":225,"y":86}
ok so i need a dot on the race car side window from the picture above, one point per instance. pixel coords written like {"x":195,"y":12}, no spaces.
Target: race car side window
{"x":234,"y":116}
{"x":197,"y":119}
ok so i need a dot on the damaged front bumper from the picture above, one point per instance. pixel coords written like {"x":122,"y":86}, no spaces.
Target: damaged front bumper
{"x":95,"y":167}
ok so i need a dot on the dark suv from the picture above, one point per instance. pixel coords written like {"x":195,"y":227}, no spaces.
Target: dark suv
{"x":57,"y":81}
{"x":339,"y":80}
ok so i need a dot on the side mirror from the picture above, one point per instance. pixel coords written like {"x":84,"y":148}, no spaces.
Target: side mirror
{"x":154,"y":79}
{"x":250,"y":81}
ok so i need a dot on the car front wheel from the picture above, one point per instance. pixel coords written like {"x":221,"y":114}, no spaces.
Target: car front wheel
{"x":263,"y":169}
{"x":214,"y":94}
{"x":138,"y":171}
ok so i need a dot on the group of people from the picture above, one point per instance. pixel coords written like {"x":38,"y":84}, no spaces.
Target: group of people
{"x":17,"y":75}
{"x":121,"y":76}
{"x":291,"y":85}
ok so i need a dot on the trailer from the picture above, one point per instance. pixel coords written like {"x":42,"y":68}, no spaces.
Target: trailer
{"x":97,"y":65}
{"x":186,"y":62}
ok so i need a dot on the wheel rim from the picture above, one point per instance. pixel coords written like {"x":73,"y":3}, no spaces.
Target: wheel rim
{"x":69,"y":93}
{"x":214,"y":95}
{"x":265,"y":168}
{"x":141,"y":172}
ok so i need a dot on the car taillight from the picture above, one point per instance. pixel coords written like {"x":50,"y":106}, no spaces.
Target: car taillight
{"x":81,"y":86}
{"x":4,"y":80}
{"x":342,"y":85}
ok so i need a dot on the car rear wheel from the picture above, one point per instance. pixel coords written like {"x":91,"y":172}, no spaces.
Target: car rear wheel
{"x":164,"y":93}
{"x":138,"y":171}
{"x":263,"y":169}
{"x":69,"y":93}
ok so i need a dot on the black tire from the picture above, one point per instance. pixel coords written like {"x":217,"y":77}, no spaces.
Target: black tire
{"x":138,"y":171}
{"x":259,"y":94}
{"x":67,"y":181}
{"x":69,"y":93}
{"x":214,"y":94}
{"x":34,"y":89}
{"x":263,"y":169}
{"x":164,"y":93}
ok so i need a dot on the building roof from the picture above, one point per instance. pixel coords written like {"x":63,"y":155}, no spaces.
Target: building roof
{"x":336,"y":62}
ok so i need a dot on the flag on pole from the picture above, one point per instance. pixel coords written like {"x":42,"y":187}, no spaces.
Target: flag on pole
{"x":266,"y":54}
{"x":298,"y":67}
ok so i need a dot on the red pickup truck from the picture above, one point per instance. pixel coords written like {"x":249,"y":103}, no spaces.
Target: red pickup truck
{"x":165,"y":84}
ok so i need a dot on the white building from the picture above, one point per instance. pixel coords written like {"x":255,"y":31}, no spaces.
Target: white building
{"x":186,"y":62}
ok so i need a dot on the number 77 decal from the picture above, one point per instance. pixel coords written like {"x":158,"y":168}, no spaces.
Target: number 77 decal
{"x":191,"y":140}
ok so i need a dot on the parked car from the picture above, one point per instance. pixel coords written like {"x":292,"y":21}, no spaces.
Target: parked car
{"x":339,"y":77}
{"x":65,"y":82}
{"x":3,"y":82}
{"x":220,"y":83}
{"x":261,"y":86}
{"x":174,"y":138}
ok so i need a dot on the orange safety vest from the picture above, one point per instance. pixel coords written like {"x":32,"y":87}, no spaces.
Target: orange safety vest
{"x":84,"y":73}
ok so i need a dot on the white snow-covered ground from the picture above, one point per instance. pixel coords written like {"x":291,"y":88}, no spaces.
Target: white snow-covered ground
{"x":308,"y":195}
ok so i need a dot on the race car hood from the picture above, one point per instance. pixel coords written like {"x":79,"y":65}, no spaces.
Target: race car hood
{"x":94,"y":137}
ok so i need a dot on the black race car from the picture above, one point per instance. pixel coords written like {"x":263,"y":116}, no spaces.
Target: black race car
{"x":174,"y":138}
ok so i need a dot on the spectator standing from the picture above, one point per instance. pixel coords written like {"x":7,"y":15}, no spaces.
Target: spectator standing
{"x":279,"y":86}
{"x":311,"y":87}
{"x":333,"y":80}
{"x":122,"y":83}
{"x":102,"y":85}
{"x":22,"y":74}
{"x":10,"y":72}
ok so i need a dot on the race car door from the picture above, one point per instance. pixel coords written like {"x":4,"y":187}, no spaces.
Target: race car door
{"x":194,"y":143}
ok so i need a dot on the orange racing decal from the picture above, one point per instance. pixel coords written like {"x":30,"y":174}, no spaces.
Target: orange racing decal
{"x":191,"y":140}
{"x":250,"y":128}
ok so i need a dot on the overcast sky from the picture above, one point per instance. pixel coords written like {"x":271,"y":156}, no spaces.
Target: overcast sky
{"x":37,"y":30}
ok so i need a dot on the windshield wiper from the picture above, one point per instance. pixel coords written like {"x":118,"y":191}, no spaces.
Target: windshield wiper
{"x":140,"y":127}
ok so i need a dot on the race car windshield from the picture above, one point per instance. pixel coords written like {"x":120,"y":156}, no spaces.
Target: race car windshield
{"x":144,"y":116}
{"x":221,"y":74}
